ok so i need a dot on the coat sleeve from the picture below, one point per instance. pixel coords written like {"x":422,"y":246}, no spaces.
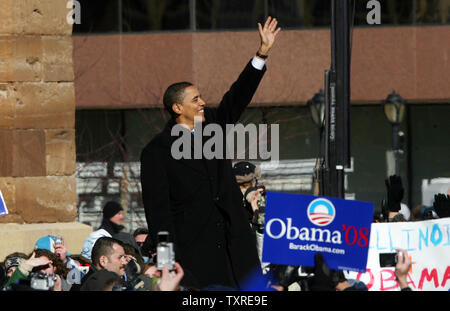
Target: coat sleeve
{"x":238,"y":97}
{"x":155,"y":194}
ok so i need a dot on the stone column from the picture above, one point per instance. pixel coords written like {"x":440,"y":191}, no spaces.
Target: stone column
{"x":37,"y":126}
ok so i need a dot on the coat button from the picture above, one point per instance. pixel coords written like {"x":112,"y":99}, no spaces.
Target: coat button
{"x":219,"y":245}
{"x":216,"y":199}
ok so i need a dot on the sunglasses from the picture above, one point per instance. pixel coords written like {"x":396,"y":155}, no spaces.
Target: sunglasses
{"x":40,"y":268}
{"x":43,"y":267}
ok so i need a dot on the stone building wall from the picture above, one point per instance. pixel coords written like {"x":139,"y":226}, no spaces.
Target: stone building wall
{"x":37,"y":122}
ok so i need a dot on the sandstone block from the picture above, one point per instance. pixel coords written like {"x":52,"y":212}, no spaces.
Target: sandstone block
{"x":57,"y":58}
{"x":6,"y":107}
{"x":7,"y":13}
{"x":29,"y":153}
{"x":34,"y":17}
{"x":28,"y":58}
{"x":7,"y":150}
{"x":45,"y":105}
{"x":41,"y":17}
{"x":46,"y":199}
{"x":7,"y":49}
{"x":60,"y":155}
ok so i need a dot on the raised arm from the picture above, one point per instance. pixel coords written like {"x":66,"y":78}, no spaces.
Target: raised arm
{"x":268,"y":34}
{"x":241,"y":92}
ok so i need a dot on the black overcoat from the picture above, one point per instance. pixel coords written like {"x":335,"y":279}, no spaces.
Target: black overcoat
{"x":199,"y":201}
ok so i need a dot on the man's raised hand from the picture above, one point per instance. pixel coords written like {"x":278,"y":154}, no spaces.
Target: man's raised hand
{"x":268,"y":34}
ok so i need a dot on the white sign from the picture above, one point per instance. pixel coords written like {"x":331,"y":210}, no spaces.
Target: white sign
{"x":427,"y":244}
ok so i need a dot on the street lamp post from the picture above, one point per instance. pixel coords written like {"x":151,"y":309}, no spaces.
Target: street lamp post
{"x":394,"y":109}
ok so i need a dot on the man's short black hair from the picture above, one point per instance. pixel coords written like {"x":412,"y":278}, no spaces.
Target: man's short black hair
{"x":174,"y":94}
{"x":103,"y":247}
{"x":139,"y":231}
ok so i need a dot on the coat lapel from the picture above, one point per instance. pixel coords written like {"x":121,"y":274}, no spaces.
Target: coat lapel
{"x":195,"y":164}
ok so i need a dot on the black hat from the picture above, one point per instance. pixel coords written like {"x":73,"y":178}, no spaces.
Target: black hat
{"x":245,"y":172}
{"x":111,"y":208}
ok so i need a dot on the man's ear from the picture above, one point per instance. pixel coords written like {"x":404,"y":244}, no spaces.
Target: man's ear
{"x":103,"y":261}
{"x":177,"y":108}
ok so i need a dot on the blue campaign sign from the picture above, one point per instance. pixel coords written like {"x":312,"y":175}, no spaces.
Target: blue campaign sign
{"x":298,"y":226}
{"x":3,"y":209}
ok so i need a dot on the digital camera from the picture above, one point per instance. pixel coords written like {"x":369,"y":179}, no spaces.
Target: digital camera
{"x":58,"y":240}
{"x":165,"y":255}
{"x":388,"y":259}
{"x":42,"y":281}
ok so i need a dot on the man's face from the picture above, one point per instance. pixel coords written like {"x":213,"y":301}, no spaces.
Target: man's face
{"x":191,"y":107}
{"x":118,"y":219}
{"x":140,"y":239}
{"x":46,"y":269}
{"x":116,"y":261}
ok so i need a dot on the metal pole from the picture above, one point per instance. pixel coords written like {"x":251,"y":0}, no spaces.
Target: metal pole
{"x":193,"y":14}
{"x":395,"y":147}
{"x":337,"y":97}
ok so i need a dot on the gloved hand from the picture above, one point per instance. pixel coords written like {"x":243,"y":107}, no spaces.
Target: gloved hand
{"x":395,"y":192}
{"x":324,"y":278}
{"x":442,"y":205}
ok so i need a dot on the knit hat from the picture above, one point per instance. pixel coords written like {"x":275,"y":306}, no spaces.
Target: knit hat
{"x":46,"y":242}
{"x":12,"y":262}
{"x":246,"y":172}
{"x":111,"y":208}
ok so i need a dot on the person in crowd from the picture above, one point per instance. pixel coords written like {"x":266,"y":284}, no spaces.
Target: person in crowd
{"x":134,"y":270}
{"x":253,"y":201}
{"x":394,"y":210}
{"x":103,"y":280}
{"x":41,"y":261}
{"x":140,"y":235}
{"x":441,"y":205}
{"x":197,"y":200}
{"x":112,"y":223}
{"x":128,"y":239}
{"x":113,"y":218}
{"x":247,"y":175}
{"x":12,"y":261}
{"x":3,"y":277}
{"x":401,"y":269}
{"x":57,"y":245}
{"x":107,"y":253}
{"x":326,"y":279}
